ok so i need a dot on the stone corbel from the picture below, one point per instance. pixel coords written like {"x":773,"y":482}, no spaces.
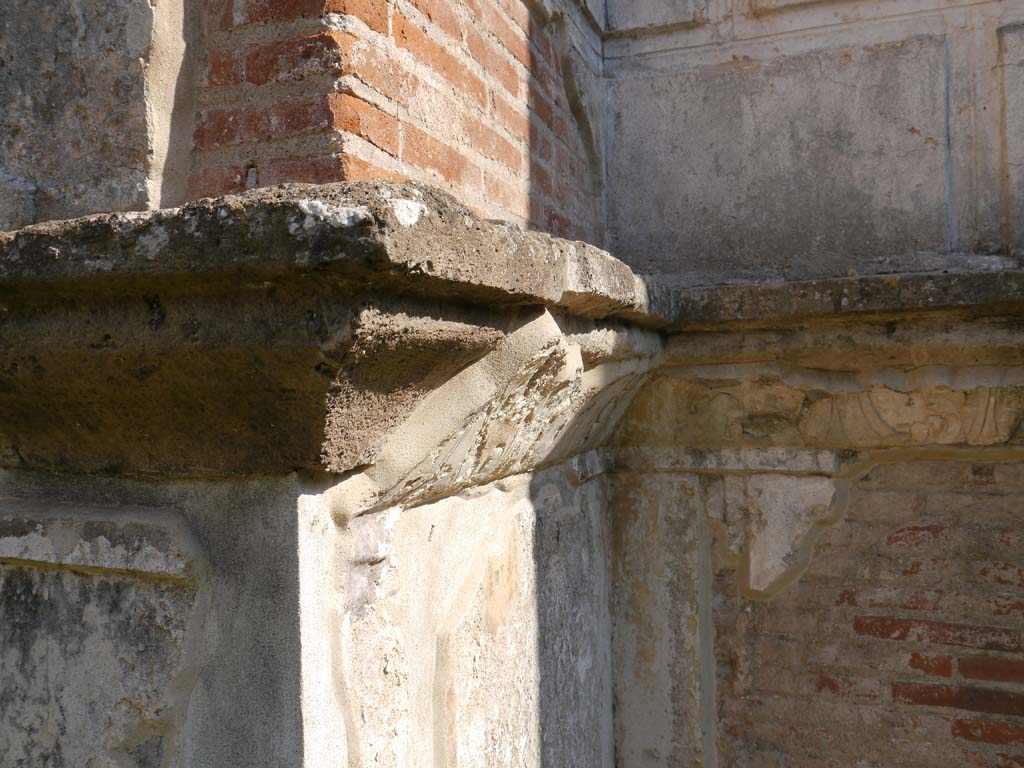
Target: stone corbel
{"x":531,"y":400}
{"x":376,"y":332}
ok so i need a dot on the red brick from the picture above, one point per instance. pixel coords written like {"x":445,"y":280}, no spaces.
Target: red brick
{"x":294,"y":59}
{"x":933,"y":665}
{"x":214,"y":182}
{"x":992,"y":668}
{"x":890,"y":597}
{"x":424,"y":151}
{"x":1003,"y":574}
{"x":514,"y":121}
{"x":993,"y":702}
{"x":227,"y":127}
{"x":540,"y":144}
{"x":382,"y":71}
{"x":990,"y":733}
{"x":493,"y":61}
{"x":540,"y":179}
{"x":1005,"y":605}
{"x":538,"y":212}
{"x":848,"y":689}
{"x":542,"y":108}
{"x":259,"y":11}
{"x":409,"y":36}
{"x":544,"y":81}
{"x":917,"y":536}
{"x":324,"y":169}
{"x":511,"y":37}
{"x":499,"y":192}
{"x":222,"y":69}
{"x":355,"y":116}
{"x":490,"y":144}
{"x":442,"y":14}
{"x":374,"y":13}
{"x":218,"y":15}
{"x":519,"y":13}
{"x":940,"y":633}
{"x":557,"y":224}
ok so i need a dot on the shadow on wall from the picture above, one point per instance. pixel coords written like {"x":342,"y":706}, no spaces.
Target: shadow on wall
{"x":574,"y":632}
{"x":155,"y":641}
{"x":564,"y":98}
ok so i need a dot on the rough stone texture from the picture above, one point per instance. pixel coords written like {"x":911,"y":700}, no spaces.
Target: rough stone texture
{"x":630,"y":17}
{"x":527,"y":528}
{"x":98,"y":609}
{"x":656,"y":538}
{"x":1011,"y":61}
{"x":528,"y":403}
{"x":116,"y":661}
{"x":902,"y":601}
{"x":472,"y":623}
{"x":814,"y":173}
{"x":402,"y":237}
{"x":784,"y":140}
{"x":272,"y":314}
{"x":436,"y":592}
{"x":89,"y":115}
{"x":845,"y":546}
{"x":418,"y":489}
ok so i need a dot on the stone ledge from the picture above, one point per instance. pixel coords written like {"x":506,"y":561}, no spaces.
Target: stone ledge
{"x":354,"y":328}
{"x":982,"y":291}
{"x":410,"y":239}
{"x":406,"y":239}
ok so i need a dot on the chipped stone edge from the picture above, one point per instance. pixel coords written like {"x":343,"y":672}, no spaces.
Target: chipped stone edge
{"x":412,"y":239}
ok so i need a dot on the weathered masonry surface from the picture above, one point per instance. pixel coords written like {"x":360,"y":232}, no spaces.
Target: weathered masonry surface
{"x":345,"y":475}
{"x":710,"y":140}
{"x":352,"y":461}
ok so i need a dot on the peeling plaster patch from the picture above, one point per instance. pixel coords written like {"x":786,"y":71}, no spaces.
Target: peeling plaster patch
{"x":337,"y":216}
{"x":767,"y":523}
{"x":408,"y":212}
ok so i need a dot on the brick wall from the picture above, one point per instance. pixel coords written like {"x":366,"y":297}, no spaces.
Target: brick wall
{"x":469,"y":95}
{"x":903,"y":643}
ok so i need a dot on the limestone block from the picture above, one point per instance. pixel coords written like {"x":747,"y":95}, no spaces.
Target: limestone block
{"x":528,"y":402}
{"x":631,"y":15}
{"x":463,"y":645}
{"x":782,"y":411}
{"x":77,"y":132}
{"x":804,"y":166}
{"x":1011,"y":60}
{"x":767,"y":524}
{"x":97,"y":631}
{"x":305,"y":324}
{"x":656,"y":613}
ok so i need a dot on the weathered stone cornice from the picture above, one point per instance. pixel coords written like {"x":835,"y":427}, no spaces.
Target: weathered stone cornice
{"x":370,"y":328}
{"x":981,"y":291}
{"x":384,"y":330}
{"x":399,"y":239}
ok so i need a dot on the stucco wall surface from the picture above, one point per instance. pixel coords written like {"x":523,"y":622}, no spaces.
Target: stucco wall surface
{"x":92,"y":96}
{"x":74,"y":120}
{"x":796,"y":140}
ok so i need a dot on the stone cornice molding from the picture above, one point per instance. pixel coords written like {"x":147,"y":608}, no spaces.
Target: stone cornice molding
{"x":375,"y":330}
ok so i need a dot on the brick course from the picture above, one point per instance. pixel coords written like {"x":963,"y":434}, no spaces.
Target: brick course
{"x":466,"y":94}
{"x":896,"y":647}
